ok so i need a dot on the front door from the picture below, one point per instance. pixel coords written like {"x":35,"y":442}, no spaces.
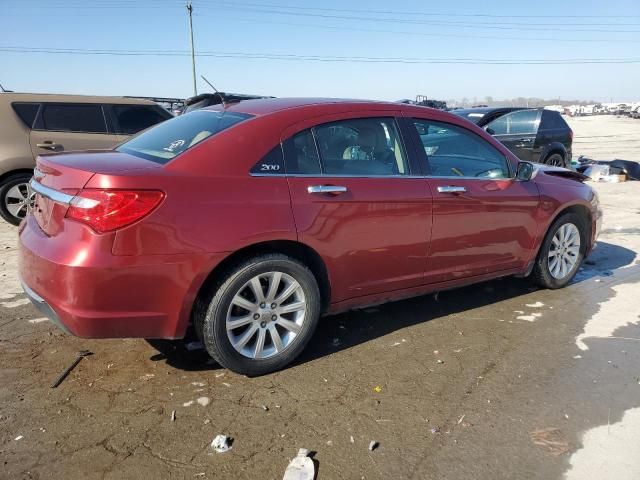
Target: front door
{"x":356,"y":203}
{"x":483,"y":219}
{"x":517,"y":131}
{"x":70,"y":126}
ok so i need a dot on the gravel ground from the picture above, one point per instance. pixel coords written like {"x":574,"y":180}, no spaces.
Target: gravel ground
{"x":499,"y":380}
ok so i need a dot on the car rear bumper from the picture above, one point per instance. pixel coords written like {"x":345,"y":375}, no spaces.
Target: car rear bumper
{"x":89,"y":292}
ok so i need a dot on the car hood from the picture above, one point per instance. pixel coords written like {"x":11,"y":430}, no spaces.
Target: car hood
{"x":550,"y":174}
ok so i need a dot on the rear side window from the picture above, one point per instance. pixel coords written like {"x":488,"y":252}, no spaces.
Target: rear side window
{"x":355,"y":147}
{"x":27,"y":112}
{"x":552,"y":121}
{"x":169,"y":139}
{"x":74,"y":118}
{"x":301,"y":154}
{"x":134,"y":118}
{"x":519,"y":122}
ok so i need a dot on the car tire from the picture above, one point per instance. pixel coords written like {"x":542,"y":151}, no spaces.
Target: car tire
{"x":555,"y":160}
{"x":554,"y":268}
{"x":256,"y":297}
{"x":10,"y":188}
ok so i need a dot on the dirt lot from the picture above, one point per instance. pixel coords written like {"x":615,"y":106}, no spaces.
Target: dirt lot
{"x":532,"y":383}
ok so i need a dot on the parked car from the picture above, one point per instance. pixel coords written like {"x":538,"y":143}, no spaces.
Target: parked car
{"x":248,"y":223}
{"x":33,"y":124}
{"x":534,"y":135}
{"x":210,"y":99}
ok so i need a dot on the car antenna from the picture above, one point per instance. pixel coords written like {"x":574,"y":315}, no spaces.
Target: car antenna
{"x":224,"y":105}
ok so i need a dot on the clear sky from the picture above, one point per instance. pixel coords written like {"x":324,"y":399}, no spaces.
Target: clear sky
{"x":398,"y":39}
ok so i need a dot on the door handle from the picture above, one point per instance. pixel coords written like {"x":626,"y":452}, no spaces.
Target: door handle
{"x":48,"y":145}
{"x":452,"y":189}
{"x":335,"y":189}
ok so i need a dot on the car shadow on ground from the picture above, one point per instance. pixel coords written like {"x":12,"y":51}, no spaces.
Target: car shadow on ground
{"x":349,"y":329}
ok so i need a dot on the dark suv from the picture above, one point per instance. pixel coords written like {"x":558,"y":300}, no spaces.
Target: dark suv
{"x":534,"y":135}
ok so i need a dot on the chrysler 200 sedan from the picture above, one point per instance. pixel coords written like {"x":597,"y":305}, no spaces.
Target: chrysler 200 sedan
{"x":247,"y":222}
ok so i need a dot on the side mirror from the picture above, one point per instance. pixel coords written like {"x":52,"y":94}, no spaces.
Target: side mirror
{"x":525,"y":171}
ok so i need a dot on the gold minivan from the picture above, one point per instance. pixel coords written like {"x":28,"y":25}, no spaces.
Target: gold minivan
{"x":33,"y":124}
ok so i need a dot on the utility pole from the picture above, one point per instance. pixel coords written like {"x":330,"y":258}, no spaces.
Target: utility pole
{"x":193,"y":53}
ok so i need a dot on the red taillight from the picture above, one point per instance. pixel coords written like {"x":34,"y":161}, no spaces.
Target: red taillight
{"x":107,"y":210}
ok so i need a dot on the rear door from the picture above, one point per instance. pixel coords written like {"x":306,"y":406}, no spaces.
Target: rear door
{"x":357,"y":202}
{"x":62,"y":127}
{"x":483,"y":219}
{"x":517,"y":131}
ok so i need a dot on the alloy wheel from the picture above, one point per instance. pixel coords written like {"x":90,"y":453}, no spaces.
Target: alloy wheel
{"x":18,"y":199}
{"x":564,"y":251}
{"x":266,"y":315}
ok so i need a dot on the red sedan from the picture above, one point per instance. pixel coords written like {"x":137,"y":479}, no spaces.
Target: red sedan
{"x":249,"y":222}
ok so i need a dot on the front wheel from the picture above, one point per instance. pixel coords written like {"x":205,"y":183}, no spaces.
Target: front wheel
{"x":562,"y":252}
{"x":262,"y":316}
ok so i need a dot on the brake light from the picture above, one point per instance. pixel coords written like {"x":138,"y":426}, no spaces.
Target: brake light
{"x":108,"y":210}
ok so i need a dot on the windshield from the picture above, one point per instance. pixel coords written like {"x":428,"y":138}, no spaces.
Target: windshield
{"x":169,"y":139}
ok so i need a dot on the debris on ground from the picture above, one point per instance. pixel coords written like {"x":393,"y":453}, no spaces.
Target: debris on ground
{"x":440,"y":361}
{"x":377,"y":389}
{"x":188,"y":404}
{"x":193,"y":346}
{"x":173,"y":416}
{"x":461,"y":419}
{"x":551,"y":440}
{"x":351,"y":439}
{"x":203,"y":401}
{"x":63,"y":375}
{"x":373,"y":445}
{"x":265,"y":408}
{"x":435,"y":430}
{"x":534,"y":305}
{"x":19,"y":437}
{"x":221,"y":444}
{"x":301,"y":467}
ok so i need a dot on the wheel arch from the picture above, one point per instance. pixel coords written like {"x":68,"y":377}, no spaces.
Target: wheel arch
{"x":17,"y":171}
{"x":294,"y":249}
{"x":554,"y":147}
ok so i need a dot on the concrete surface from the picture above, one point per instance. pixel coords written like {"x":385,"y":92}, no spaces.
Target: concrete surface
{"x":606,"y":137}
{"x":534,"y":384}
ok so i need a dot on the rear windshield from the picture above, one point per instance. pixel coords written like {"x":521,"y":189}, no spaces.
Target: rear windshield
{"x":169,"y":139}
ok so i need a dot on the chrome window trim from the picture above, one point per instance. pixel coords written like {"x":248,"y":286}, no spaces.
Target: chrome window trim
{"x":50,"y":193}
{"x":310,"y":175}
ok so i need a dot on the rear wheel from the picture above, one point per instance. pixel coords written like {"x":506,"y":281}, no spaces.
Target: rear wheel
{"x":15,"y":197}
{"x":262,"y":316}
{"x":555,"y":160}
{"x":562,"y":252}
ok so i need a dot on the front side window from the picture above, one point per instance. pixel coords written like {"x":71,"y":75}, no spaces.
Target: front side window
{"x":356,"y":147}
{"x":134,"y":118}
{"x":520,"y":122}
{"x":454,"y":151}
{"x":74,"y":118}
{"x":169,"y":139}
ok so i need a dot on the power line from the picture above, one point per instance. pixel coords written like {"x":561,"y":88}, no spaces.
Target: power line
{"x":425,"y":34}
{"x":435,"y":23}
{"x":415,"y":13}
{"x":321,"y":58}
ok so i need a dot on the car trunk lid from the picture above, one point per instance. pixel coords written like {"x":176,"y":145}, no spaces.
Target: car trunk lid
{"x":58,"y":178}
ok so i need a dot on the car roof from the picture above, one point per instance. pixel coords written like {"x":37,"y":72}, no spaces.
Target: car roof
{"x":65,"y":98}
{"x":266,"y":106}
{"x":485,"y":110}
